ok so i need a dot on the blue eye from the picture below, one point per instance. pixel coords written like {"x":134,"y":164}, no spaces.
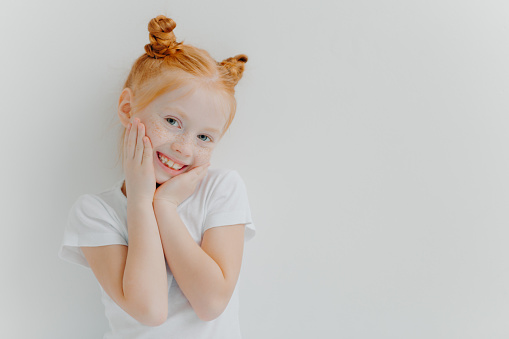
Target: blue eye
{"x":175,"y":122}
{"x":169,"y":121}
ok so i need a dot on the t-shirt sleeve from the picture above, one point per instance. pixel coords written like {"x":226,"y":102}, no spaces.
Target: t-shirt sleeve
{"x":89,"y":223}
{"x":229,"y":205}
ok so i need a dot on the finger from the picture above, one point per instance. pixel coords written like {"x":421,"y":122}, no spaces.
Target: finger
{"x":139,"y":143}
{"x":204,"y":167}
{"x":201,"y":170}
{"x":147,"y":152}
{"x":126,"y":137}
{"x":203,"y":173}
{"x":198,"y":169}
{"x":131,"y":143}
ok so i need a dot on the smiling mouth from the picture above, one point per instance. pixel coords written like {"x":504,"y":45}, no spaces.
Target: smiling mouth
{"x":170,"y":164}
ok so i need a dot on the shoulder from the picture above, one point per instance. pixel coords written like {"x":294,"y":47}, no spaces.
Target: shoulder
{"x":221,"y":179}
{"x":215,"y":172}
{"x":96,"y":199}
{"x":91,"y":222}
{"x":90,"y":205}
{"x":92,"y":216}
{"x":217,"y":175}
{"x":221,"y":185}
{"x":87,"y":202}
{"x":104,"y":201}
{"x":226,"y":201}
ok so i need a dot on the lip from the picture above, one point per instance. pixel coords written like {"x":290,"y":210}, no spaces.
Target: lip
{"x":172,"y":159}
{"x":170,"y":170}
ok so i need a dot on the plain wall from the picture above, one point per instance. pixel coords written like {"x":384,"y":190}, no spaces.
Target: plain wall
{"x":371,"y":135}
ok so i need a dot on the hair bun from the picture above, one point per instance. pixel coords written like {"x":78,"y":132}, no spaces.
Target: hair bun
{"x":162,"y":38}
{"x":235,"y":67}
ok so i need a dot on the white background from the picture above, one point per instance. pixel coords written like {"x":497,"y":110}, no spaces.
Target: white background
{"x":371,"y":135}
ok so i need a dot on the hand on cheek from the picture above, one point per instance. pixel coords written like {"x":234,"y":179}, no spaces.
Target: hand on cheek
{"x":139,"y":168}
{"x":180,"y":187}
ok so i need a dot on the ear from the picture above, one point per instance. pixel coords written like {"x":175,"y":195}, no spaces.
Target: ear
{"x":125,"y":112}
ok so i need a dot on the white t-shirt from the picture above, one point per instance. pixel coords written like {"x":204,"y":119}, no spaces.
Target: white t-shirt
{"x":220,"y":199}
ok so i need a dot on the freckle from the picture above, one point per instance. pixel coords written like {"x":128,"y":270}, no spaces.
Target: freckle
{"x":204,"y":152}
{"x":157,"y":129}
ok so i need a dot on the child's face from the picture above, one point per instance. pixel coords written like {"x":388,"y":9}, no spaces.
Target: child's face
{"x":182,"y":127}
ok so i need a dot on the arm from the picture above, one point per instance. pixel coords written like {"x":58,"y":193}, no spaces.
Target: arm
{"x":207,"y":275}
{"x":145,"y":282}
{"x":135,"y":276}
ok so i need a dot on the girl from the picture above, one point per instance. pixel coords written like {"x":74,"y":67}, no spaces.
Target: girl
{"x":165,"y":267}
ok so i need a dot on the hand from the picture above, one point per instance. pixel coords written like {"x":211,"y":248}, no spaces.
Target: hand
{"x":140,"y":180}
{"x":180,"y":187}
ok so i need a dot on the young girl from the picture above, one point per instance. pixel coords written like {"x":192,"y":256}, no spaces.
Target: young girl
{"x":165,"y":267}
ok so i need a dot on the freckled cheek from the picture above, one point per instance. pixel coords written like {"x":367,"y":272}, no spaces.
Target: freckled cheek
{"x":203,"y":155}
{"x":158,"y":134}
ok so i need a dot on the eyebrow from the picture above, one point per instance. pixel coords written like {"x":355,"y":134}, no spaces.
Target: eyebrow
{"x":181,"y":112}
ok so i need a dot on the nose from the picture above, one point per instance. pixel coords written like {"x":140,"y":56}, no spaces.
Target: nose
{"x":183,"y":145}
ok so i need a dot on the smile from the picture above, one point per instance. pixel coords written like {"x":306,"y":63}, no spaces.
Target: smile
{"x":168,"y":163}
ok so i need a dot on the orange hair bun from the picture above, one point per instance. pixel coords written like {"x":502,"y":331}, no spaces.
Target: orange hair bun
{"x":235,"y":66}
{"x":162,"y":39}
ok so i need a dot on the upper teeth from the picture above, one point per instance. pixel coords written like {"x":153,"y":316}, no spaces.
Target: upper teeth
{"x":169,"y":163}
